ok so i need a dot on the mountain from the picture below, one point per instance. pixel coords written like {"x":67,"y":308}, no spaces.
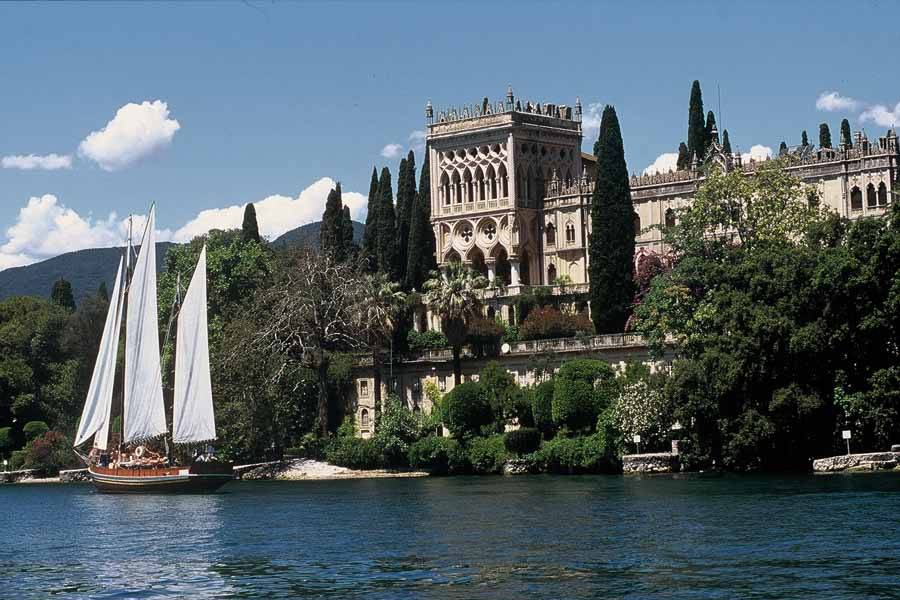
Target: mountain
{"x":309,"y":235}
{"x":84,"y":269}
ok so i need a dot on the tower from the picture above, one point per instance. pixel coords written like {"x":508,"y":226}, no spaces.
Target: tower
{"x":490,"y":166}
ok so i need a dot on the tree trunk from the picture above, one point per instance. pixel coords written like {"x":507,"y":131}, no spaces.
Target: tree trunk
{"x":457,"y":366}
{"x":323,"y":397}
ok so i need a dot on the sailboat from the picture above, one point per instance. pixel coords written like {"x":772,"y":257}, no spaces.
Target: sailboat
{"x":132,"y":465}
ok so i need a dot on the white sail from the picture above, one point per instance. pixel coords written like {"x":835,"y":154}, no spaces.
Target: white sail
{"x":95,"y":415}
{"x":144,"y":414}
{"x":192,"y":418}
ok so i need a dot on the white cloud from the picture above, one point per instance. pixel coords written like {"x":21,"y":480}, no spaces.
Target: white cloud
{"x":663,"y":164}
{"x":881,"y":115}
{"x":46,"y":228}
{"x":833,"y":101}
{"x":417,"y":140}
{"x":49,"y":162}
{"x":757,"y":153}
{"x":391,"y":150}
{"x":275,"y":214}
{"x":590,"y":120}
{"x":136,"y":131}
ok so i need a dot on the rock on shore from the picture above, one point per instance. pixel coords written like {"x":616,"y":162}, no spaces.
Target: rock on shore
{"x":872,"y":461}
{"x":308,"y":469}
{"x":657,"y":462}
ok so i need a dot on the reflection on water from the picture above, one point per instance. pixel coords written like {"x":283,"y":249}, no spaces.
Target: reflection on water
{"x":546,"y":537}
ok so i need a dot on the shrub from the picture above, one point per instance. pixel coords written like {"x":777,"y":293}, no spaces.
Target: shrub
{"x":484,"y":336}
{"x":16,"y":460}
{"x":542,"y":406}
{"x":522,"y":441}
{"x":438,"y":455}
{"x":396,"y":430}
{"x":426,"y":340}
{"x":547,"y":322}
{"x":6,"y":440}
{"x":353,"y":453}
{"x":49,"y":453}
{"x":588,"y":454}
{"x":487,"y":455}
{"x":467,"y":410}
{"x":582,"y":389}
{"x":34,"y":429}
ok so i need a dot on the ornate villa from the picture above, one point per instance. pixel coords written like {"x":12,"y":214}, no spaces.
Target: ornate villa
{"x":511,"y":194}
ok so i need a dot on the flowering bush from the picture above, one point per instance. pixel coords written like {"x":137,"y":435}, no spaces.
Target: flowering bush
{"x":547,"y":322}
{"x":641,"y":409}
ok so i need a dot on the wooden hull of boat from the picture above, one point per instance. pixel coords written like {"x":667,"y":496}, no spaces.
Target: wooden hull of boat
{"x":199,"y":478}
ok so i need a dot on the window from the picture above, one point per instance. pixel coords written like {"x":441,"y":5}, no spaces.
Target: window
{"x":364,"y":418}
{"x":363,"y":388}
{"x":551,"y":235}
{"x":670,"y":217}
{"x":570,"y":233}
{"x":871,"y":200}
{"x":855,"y":199}
{"x":882,"y":194}
{"x":637,"y":224}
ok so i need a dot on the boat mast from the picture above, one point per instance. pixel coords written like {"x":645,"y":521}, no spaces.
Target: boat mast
{"x":125,"y":326}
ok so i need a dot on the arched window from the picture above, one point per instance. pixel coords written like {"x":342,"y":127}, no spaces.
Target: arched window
{"x":479,"y":184}
{"x":551,"y":274}
{"x":445,"y":190}
{"x":456,"y":188}
{"x":504,"y":181}
{"x":492,"y":182}
{"x":855,"y":199}
{"x":670,"y":217}
{"x":882,"y":194}
{"x":570,"y":233}
{"x":871,"y":199}
{"x":550,"y":232}
{"x":469,"y":194}
{"x":637,"y":224}
{"x":364,"y":418}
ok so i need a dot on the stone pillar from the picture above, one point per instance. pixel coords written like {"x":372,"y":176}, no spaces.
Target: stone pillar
{"x":514,"y":271}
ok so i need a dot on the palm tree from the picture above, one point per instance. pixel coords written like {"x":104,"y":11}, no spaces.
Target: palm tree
{"x":455,"y":297}
{"x":383,"y":305}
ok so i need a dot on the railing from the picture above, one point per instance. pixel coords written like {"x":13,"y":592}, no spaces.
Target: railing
{"x":470,"y":207}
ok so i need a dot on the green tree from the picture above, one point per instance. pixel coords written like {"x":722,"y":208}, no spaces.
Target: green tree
{"x":710,"y":126}
{"x":846,"y":136}
{"x":582,"y":389}
{"x":250,"y":228}
{"x":468,"y":410}
{"x":542,"y":406}
{"x":406,"y":200}
{"x":61,"y":294}
{"x":369,"y":252}
{"x":612,"y":243}
{"x":455,"y":297}
{"x":684,"y":157}
{"x":824,"y":136}
{"x":388,"y":247}
{"x":331,"y":234}
{"x":726,"y":143}
{"x":697,"y":138}
{"x":350,"y":249}
{"x":420,"y":255}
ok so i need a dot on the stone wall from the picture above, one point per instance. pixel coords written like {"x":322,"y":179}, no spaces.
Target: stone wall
{"x":658,"y":462}
{"x":872,"y":461}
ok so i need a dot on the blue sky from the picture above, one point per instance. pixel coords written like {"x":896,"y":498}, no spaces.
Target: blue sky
{"x":270,"y":98}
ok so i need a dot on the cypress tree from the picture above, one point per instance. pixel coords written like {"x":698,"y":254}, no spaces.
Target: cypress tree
{"x":824,"y":136}
{"x":420,"y":259}
{"x":684,"y":157}
{"x":710,"y":125}
{"x":250,"y":228}
{"x":331,"y":237}
{"x":406,"y":199}
{"x":804,"y":139}
{"x":61,"y":294}
{"x":697,"y":140}
{"x":348,"y":243}
{"x":388,"y":260}
{"x":726,"y":143}
{"x":846,"y":137}
{"x":370,"y":234}
{"x":612,"y":243}
{"x":782,"y":149}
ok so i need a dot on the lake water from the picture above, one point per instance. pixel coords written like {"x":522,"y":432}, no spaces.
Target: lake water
{"x":491,"y":537}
